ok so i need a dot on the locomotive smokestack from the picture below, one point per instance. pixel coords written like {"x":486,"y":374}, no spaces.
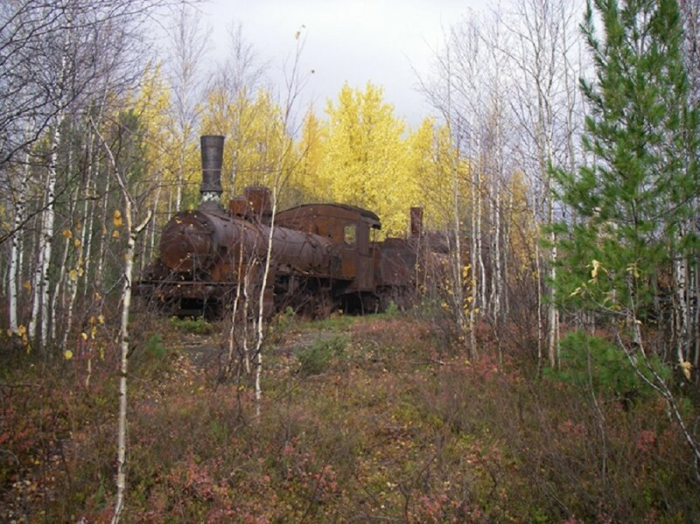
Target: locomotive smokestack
{"x":212,"y":159}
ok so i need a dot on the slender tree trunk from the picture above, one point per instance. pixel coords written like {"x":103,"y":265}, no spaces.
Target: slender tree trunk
{"x":48,"y":230}
{"x":240,"y":282}
{"x":101,"y":251}
{"x":473,"y":259}
{"x":124,"y":366}
{"x":82,"y":262}
{"x":457,"y":277}
{"x":261,"y":307}
{"x":152,"y":236}
{"x":133,"y":232}
{"x":57,"y":290}
{"x":681,"y":323}
{"x":36,"y":284}
{"x":15,"y":271}
{"x":124,"y":340}
{"x":540,"y":303}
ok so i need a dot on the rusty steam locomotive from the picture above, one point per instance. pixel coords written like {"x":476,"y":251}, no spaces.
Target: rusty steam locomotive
{"x":323,"y":256}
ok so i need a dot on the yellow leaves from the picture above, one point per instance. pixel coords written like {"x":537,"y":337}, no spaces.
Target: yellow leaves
{"x":68,"y":354}
{"x":117,"y":218}
{"x":115,"y":234}
{"x":633,"y":269}
{"x":101,"y":319}
{"x":75,"y":273}
{"x":596,"y":269}
{"x":68,"y":234}
{"x":687,"y":368}
{"x":21,"y":333}
{"x":257,"y":139}
{"x":27,"y":285}
{"x":367,"y":159}
{"x":84,"y":335}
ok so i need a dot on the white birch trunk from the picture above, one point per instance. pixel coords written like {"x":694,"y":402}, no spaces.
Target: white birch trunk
{"x":498,"y":281}
{"x":57,"y":290}
{"x":457,"y":286}
{"x":152,"y":243}
{"x":37,"y":280}
{"x":48,"y":230}
{"x":133,"y":232}
{"x":481,"y":268}
{"x":240,"y":282}
{"x":15,"y":270}
{"x":261,"y":308}
{"x":124,"y":349}
{"x":103,"y":235}
{"x":124,"y":367}
{"x":473,"y":263}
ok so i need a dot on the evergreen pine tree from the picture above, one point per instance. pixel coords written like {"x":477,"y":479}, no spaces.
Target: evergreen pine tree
{"x":636,"y":202}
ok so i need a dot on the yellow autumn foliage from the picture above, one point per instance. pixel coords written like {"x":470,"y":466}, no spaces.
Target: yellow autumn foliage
{"x":366,"y":161}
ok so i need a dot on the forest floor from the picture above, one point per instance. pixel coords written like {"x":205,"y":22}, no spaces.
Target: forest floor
{"x":361,"y":420}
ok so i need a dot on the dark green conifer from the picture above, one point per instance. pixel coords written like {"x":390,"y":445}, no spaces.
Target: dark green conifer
{"x":635,"y":203}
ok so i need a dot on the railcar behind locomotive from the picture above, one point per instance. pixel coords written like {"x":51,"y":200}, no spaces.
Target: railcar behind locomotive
{"x":323,"y":256}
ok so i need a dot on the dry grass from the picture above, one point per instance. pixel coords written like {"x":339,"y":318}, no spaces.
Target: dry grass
{"x":393,"y":426}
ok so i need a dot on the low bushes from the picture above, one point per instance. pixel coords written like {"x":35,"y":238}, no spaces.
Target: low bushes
{"x":364,"y":421}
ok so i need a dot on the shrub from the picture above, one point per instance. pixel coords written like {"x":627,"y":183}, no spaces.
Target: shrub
{"x":590,"y":361}
{"x":315,"y":359}
{"x":198,"y":326}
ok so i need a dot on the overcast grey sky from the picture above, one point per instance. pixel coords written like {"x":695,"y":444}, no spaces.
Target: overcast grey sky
{"x":353,"y":40}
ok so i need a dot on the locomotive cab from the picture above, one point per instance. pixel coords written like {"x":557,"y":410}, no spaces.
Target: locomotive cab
{"x":348,"y":229}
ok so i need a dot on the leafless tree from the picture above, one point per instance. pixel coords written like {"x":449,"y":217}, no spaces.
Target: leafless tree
{"x":189,"y":45}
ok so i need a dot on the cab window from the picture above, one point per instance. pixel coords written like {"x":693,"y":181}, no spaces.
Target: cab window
{"x":350,"y":235}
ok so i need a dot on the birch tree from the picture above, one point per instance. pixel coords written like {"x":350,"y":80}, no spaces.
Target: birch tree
{"x":58,"y":56}
{"x":544,"y":45}
{"x":133,"y":229}
{"x":189,"y":45}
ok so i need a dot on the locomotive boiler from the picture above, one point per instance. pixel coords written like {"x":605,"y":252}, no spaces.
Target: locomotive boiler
{"x":323,"y":256}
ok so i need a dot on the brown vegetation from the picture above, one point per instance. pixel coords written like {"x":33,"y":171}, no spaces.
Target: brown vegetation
{"x":380,"y":420}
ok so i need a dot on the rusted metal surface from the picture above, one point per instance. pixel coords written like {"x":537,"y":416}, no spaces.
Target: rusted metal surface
{"x":238,"y":207}
{"x":397,"y":263}
{"x":186,"y":242}
{"x":254,"y":205}
{"x":322,"y":254}
{"x":259,"y":201}
{"x":416,"y":222}
{"x":197,"y":240}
